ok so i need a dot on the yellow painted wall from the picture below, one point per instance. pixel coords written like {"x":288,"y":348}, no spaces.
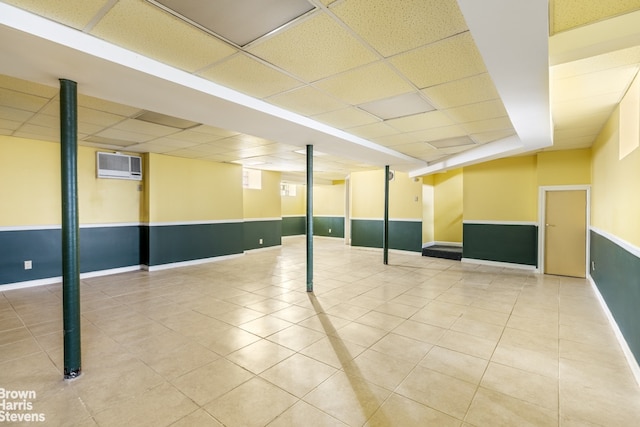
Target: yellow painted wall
{"x":329,"y":200}
{"x":295,"y":205}
{"x":566,"y":167}
{"x":501,"y":190}
{"x":102,"y":200}
{"x":405,"y":197}
{"x":615,"y":196}
{"x":367,"y":196}
{"x":448,"y":203}
{"x":427,"y":209}
{"x":30,"y":193}
{"x":193,"y":190}
{"x":30,"y":182}
{"x":263,"y":203}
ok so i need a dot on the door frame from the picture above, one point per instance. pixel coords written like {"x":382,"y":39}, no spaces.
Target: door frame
{"x":542,"y":211}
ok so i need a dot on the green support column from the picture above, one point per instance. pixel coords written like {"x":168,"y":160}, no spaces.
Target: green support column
{"x":309,"y":229}
{"x":70,"y":228}
{"x":385,"y":234}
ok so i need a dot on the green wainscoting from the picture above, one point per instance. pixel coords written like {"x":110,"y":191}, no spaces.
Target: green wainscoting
{"x":511,"y":243}
{"x":617,"y":276}
{"x":322,"y":225}
{"x":179,"y":243}
{"x":269,"y":231}
{"x":101,"y":248}
{"x":403,"y":235}
{"x":293,"y":225}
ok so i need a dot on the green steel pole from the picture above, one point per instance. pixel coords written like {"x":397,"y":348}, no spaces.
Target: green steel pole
{"x":309,"y":229}
{"x":70,"y":228}
{"x":385,"y":234}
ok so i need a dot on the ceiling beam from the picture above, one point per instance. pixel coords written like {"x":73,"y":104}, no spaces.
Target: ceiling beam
{"x":37,"y":49}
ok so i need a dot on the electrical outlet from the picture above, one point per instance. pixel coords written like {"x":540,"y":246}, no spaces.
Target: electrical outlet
{"x":28,"y":265}
{"x":260,"y":241}
{"x":329,"y":231}
{"x":593,"y":265}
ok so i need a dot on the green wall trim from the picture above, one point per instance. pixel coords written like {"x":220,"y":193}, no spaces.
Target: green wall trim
{"x":293,"y":225}
{"x":101,"y":248}
{"x":269,"y":231}
{"x":403,"y":235}
{"x":322,"y":225}
{"x":617,"y":277}
{"x":516,"y":244}
{"x":179,"y":243}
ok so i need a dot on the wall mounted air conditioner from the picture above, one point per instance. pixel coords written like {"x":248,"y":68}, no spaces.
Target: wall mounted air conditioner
{"x":119,"y":166}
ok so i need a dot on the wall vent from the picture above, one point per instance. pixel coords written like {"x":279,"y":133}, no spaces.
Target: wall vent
{"x":119,"y":166}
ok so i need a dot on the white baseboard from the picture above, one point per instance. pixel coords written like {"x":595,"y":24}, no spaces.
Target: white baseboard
{"x":531,"y":268}
{"x":189,"y":263}
{"x":58,"y":279}
{"x":631,"y":360}
{"x":391,"y":251}
{"x":266,"y":248}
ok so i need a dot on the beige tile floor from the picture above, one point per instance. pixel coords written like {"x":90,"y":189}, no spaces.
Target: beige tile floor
{"x":239,"y":342}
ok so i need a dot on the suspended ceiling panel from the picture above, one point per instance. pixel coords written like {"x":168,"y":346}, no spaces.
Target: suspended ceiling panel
{"x":568,"y":14}
{"x":74,"y":13}
{"x":346,"y":118}
{"x":303,"y":50}
{"x":250,"y":76}
{"x":392,"y":26}
{"x":431,"y":119}
{"x":330,"y":65}
{"x":468,"y":90}
{"x":479,"y":111}
{"x":307,"y":101}
{"x":239,"y":21}
{"x":142,"y":28}
{"x":443,"y":61}
{"x":364,"y":84}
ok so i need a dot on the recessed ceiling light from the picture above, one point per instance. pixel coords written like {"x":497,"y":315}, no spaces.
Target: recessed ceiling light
{"x":238,"y":21}
{"x":452,"y":142}
{"x":162,"y":119}
{"x":398,"y":106}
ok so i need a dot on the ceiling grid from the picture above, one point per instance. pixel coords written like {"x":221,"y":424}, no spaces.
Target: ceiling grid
{"x":406,"y":77}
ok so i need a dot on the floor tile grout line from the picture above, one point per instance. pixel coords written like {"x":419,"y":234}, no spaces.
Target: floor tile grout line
{"x":491,"y":357}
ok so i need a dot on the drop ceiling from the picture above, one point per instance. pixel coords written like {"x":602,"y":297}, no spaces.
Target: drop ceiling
{"x":421,"y":85}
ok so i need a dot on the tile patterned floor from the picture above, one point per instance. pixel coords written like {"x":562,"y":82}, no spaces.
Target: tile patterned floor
{"x":240,"y":343}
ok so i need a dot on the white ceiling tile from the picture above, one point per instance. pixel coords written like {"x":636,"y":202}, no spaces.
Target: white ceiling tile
{"x":307,"y":101}
{"x":142,"y":127}
{"x":144,"y":28}
{"x":375,"y":81}
{"x":429,"y":120}
{"x":304,"y":48}
{"x":392,"y":26}
{"x":9,"y":125}
{"x":21,"y":101}
{"x":125,"y":136}
{"x":346,"y":118}
{"x":250,"y":76}
{"x":444,"y":61}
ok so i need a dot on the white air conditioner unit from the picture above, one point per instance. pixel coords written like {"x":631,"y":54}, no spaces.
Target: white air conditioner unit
{"x":119,"y":166}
